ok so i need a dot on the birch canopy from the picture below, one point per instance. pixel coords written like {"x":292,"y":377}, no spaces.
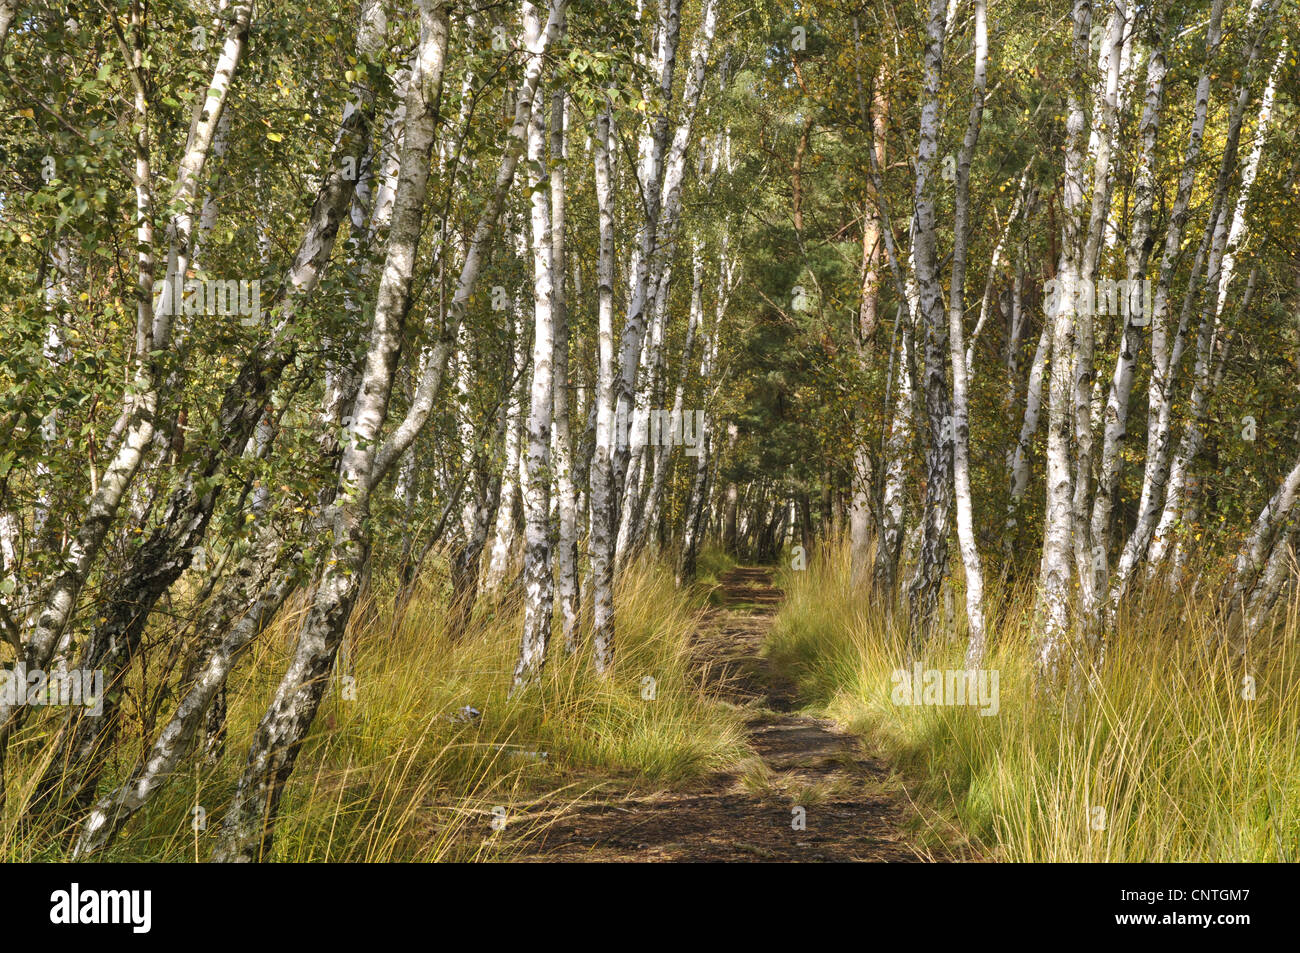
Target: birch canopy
{"x":342,"y":334}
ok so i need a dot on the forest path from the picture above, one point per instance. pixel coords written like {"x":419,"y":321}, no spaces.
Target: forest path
{"x":851,"y":812}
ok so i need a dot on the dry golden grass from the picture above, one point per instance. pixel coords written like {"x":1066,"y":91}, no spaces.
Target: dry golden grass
{"x":388,"y":772}
{"x":1164,"y":743}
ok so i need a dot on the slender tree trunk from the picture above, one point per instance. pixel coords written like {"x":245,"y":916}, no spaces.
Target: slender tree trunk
{"x":566,"y":556}
{"x":933,"y":557}
{"x":861,"y":517}
{"x":1163,"y":359}
{"x":1018,"y":459}
{"x":539,"y":579}
{"x":504,"y":536}
{"x":653,"y":145}
{"x":677,"y":412}
{"x":698,"y":503}
{"x":1056,"y":653}
{"x":604,"y":148}
{"x":957,"y":352}
{"x":1089,"y":560}
{"x":1137,"y":256}
{"x":893,"y":505}
{"x":1219,"y":274}
{"x":45,"y":628}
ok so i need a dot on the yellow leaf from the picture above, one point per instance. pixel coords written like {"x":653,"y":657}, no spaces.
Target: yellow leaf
{"x":275,"y":137}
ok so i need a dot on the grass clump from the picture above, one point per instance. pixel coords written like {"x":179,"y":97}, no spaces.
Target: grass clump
{"x":1165,"y":757}
{"x":392,"y":771}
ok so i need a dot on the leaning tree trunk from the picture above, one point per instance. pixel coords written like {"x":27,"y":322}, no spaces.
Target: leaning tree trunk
{"x":1220,"y":271}
{"x":126,"y":607}
{"x":45,"y":628}
{"x":249,"y":824}
{"x":1163,"y":358}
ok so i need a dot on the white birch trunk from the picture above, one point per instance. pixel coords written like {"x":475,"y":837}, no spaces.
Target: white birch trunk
{"x":1052,"y":611}
{"x":566,"y":557}
{"x":539,"y":579}
{"x":960,"y":433}
{"x":1018,"y":459}
{"x":604,"y":148}
{"x":1219,"y":274}
{"x":1116,"y":414}
{"x":141,"y":403}
{"x":932,"y":558}
{"x":249,"y":823}
{"x":874,"y":223}
{"x":503,"y":537}
{"x":1160,"y":389}
{"x":653,"y":145}
{"x":8,"y":9}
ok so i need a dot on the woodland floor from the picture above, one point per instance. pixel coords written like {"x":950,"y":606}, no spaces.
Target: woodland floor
{"x":855,"y":811}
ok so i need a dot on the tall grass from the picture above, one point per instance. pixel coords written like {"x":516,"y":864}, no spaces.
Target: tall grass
{"x":392,"y":772}
{"x":1180,"y":764}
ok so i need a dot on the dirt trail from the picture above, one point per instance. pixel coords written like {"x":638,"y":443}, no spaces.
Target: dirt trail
{"x":850,"y":812}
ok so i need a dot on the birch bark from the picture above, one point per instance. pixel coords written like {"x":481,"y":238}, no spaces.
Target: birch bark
{"x":566,"y":555}
{"x":1053,"y":602}
{"x":1160,"y":388}
{"x":45,"y":627}
{"x":249,"y":824}
{"x":1137,"y":256}
{"x":960,"y":430}
{"x":933,"y":556}
{"x":604,"y":148}
{"x":1220,"y":272}
{"x":539,"y":580}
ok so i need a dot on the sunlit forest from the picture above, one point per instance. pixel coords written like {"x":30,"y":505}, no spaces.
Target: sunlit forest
{"x":800,"y":430}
